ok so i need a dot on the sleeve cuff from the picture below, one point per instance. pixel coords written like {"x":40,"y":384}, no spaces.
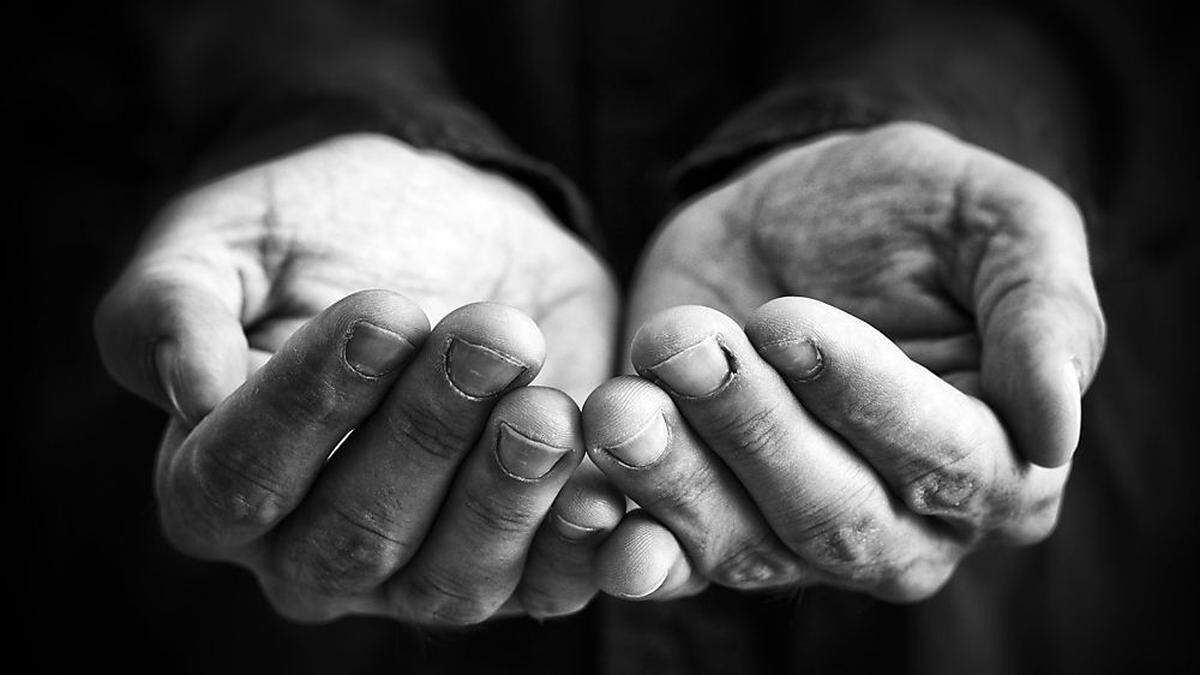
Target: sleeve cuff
{"x":795,"y":112}
{"x":281,"y":122}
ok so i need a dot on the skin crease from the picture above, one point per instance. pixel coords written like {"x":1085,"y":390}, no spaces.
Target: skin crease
{"x":232,"y":270}
{"x":973,"y":266}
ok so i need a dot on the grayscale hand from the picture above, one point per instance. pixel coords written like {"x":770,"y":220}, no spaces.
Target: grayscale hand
{"x":885,"y":370}
{"x":246,"y":315}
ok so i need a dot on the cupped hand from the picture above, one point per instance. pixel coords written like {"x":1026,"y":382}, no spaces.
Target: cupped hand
{"x":452,"y":496}
{"x":922,"y":397}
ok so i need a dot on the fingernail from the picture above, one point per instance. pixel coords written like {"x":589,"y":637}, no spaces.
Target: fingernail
{"x":572,"y":531}
{"x":478,"y":371}
{"x":165,"y":360}
{"x":645,"y":446}
{"x":373,"y":351}
{"x":754,"y":572}
{"x":798,"y":359}
{"x":699,"y":370}
{"x":524,"y":458}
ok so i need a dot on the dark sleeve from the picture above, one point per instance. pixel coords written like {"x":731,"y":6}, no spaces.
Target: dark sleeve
{"x":1013,"y":80}
{"x":249,"y":80}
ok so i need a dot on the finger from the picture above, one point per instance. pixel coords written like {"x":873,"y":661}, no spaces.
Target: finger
{"x":560,"y":575}
{"x":942,"y":451}
{"x":270,"y":334}
{"x":472,"y":559}
{"x":248,"y":464}
{"x":635,"y":434}
{"x":642,"y":560}
{"x":822,"y":499}
{"x":266,"y":338}
{"x":170,"y":331}
{"x":1038,"y":313}
{"x":378,"y":496}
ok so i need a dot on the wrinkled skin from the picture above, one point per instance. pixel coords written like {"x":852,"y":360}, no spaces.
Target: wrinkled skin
{"x":921,"y":397}
{"x":241,"y":315}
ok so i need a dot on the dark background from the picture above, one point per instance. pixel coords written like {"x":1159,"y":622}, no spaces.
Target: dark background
{"x":90,"y":582}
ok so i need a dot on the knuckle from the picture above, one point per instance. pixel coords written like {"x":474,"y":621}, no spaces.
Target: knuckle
{"x":950,"y":491}
{"x":438,"y":599}
{"x":849,"y":547}
{"x":754,"y":432}
{"x":753,"y":564}
{"x":234,"y":495}
{"x":871,"y":414}
{"x":489,"y":513}
{"x":349,"y":557}
{"x":682,"y":494}
{"x":851,"y":553}
{"x":955,"y":482}
{"x":313,"y":403}
{"x":431,"y":435}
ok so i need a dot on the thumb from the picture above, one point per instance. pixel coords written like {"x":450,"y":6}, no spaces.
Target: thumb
{"x":1039,"y":318}
{"x":169,"y":331}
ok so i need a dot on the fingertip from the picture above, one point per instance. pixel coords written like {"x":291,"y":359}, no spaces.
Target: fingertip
{"x":1067,"y":420}
{"x":676,"y":329}
{"x":541,"y":417}
{"x":383,"y":309}
{"x":619,"y":409}
{"x":778,"y":318}
{"x":544,"y":412}
{"x":787,"y":333}
{"x":1041,"y":402}
{"x":587,"y":506}
{"x":501,"y":327}
{"x":791,"y":319}
{"x":489,"y":348}
{"x":375,"y":333}
{"x":638,"y":558}
{"x":200,"y":361}
{"x":197,"y":375}
{"x":559,"y":576}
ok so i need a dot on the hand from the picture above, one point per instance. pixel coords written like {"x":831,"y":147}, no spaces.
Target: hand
{"x":434,"y":509}
{"x":870,"y":435}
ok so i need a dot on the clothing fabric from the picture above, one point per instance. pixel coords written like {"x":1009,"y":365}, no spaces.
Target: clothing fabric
{"x":616,"y":95}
